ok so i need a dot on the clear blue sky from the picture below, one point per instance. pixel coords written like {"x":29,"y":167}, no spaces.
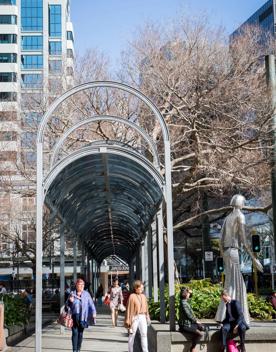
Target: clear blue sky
{"x":109,"y":24}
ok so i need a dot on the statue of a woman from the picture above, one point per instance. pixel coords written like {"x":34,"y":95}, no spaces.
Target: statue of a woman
{"x":232,"y":236}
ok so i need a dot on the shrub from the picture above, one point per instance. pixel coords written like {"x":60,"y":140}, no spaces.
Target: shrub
{"x":205,"y":300}
{"x":15,"y":310}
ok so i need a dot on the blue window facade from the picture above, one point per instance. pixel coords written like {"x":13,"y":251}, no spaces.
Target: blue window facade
{"x":70,"y":35}
{"x":32,"y":118}
{"x":32,"y":42}
{"x":8,"y":19}
{"x":8,"y":58}
{"x":28,"y":139}
{"x":55,"y":66}
{"x":55,"y":48}
{"x":8,"y":38}
{"x":31,"y":62}
{"x":263,"y":18}
{"x":55,"y":21}
{"x":7,"y":2}
{"x":7,"y":77}
{"x":31,"y":80}
{"x":31,"y":15}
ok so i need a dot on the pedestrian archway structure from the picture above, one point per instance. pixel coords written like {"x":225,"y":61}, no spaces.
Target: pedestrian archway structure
{"x":108,"y":195}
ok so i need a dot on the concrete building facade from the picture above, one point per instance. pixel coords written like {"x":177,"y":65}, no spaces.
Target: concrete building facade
{"x":36,"y":65}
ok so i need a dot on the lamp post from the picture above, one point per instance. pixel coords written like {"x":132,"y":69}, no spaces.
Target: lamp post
{"x":271,"y":81}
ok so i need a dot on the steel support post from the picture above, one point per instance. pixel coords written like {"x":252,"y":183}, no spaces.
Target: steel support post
{"x":154,"y":261}
{"x":138,"y":264}
{"x":131,"y":272}
{"x":145,"y":267}
{"x":271,"y":80}
{"x":170,"y":244}
{"x":161,"y":266}
{"x":82,"y":260}
{"x":75,"y":261}
{"x":88,"y":271}
{"x":150,"y":270}
{"x":39,"y":252}
{"x":62,"y":270}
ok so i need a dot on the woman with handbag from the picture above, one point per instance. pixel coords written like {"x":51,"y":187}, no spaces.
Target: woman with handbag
{"x":137,"y":316}
{"x":116,"y":299}
{"x":83,"y":310}
{"x":187,"y":320}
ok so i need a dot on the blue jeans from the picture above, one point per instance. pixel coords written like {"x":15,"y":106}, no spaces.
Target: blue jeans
{"x":77,"y":334}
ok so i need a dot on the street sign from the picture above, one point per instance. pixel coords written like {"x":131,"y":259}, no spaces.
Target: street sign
{"x":209,"y":256}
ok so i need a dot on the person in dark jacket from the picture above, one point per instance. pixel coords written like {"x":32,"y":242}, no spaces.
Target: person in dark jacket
{"x":234,"y":321}
{"x":187,"y":320}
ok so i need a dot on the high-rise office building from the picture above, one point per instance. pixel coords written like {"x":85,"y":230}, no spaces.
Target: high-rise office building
{"x":36,"y":64}
{"x":264,"y":18}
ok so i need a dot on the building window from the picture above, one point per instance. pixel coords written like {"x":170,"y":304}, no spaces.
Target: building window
{"x":55,"y":21}
{"x":7,"y":77}
{"x":31,"y":62}
{"x":31,"y":80}
{"x":28,"y":233}
{"x":8,"y":116}
{"x":8,"y":136}
{"x":32,"y":42}
{"x":11,"y":58}
{"x":70,"y":53}
{"x":55,"y":48}
{"x":8,"y":96}
{"x":8,"y":156}
{"x":7,"y":2}
{"x":55,"y":66}
{"x":31,"y":101}
{"x":31,"y":15}
{"x":8,"y":38}
{"x":8,"y":19}
{"x":28,"y":140}
{"x":29,"y":160}
{"x":69,"y":71}
{"x":31,"y":119}
{"x":55,"y":86}
{"x":70,"y":36}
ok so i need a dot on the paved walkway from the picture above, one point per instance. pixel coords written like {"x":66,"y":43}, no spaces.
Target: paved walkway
{"x":99,"y":338}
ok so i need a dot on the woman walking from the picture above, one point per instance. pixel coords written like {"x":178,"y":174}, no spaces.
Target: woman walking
{"x":116,"y":298}
{"x":137,"y":316}
{"x":187,"y":320}
{"x":83,"y":310}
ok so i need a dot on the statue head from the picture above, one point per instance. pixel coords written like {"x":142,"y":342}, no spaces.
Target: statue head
{"x":238,"y":201}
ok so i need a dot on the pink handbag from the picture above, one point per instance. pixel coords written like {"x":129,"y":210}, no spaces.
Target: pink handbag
{"x":232,"y":346}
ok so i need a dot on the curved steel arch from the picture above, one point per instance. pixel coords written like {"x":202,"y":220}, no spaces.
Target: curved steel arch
{"x":103,"y":84}
{"x":42,"y":185}
{"x":106,"y":118}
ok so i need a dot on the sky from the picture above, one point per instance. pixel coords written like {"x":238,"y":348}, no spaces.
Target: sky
{"x":108,"y":25}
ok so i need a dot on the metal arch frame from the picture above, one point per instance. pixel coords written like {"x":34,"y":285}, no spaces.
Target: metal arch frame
{"x":112,"y":118}
{"x":103,"y":84}
{"x":41,"y":196}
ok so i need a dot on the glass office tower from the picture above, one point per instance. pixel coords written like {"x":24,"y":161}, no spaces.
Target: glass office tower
{"x":264,"y":17}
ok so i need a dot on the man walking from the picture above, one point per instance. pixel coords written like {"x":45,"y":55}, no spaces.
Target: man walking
{"x":233,"y":322}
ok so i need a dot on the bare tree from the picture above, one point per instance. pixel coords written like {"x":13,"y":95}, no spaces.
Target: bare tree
{"x":214,"y":101}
